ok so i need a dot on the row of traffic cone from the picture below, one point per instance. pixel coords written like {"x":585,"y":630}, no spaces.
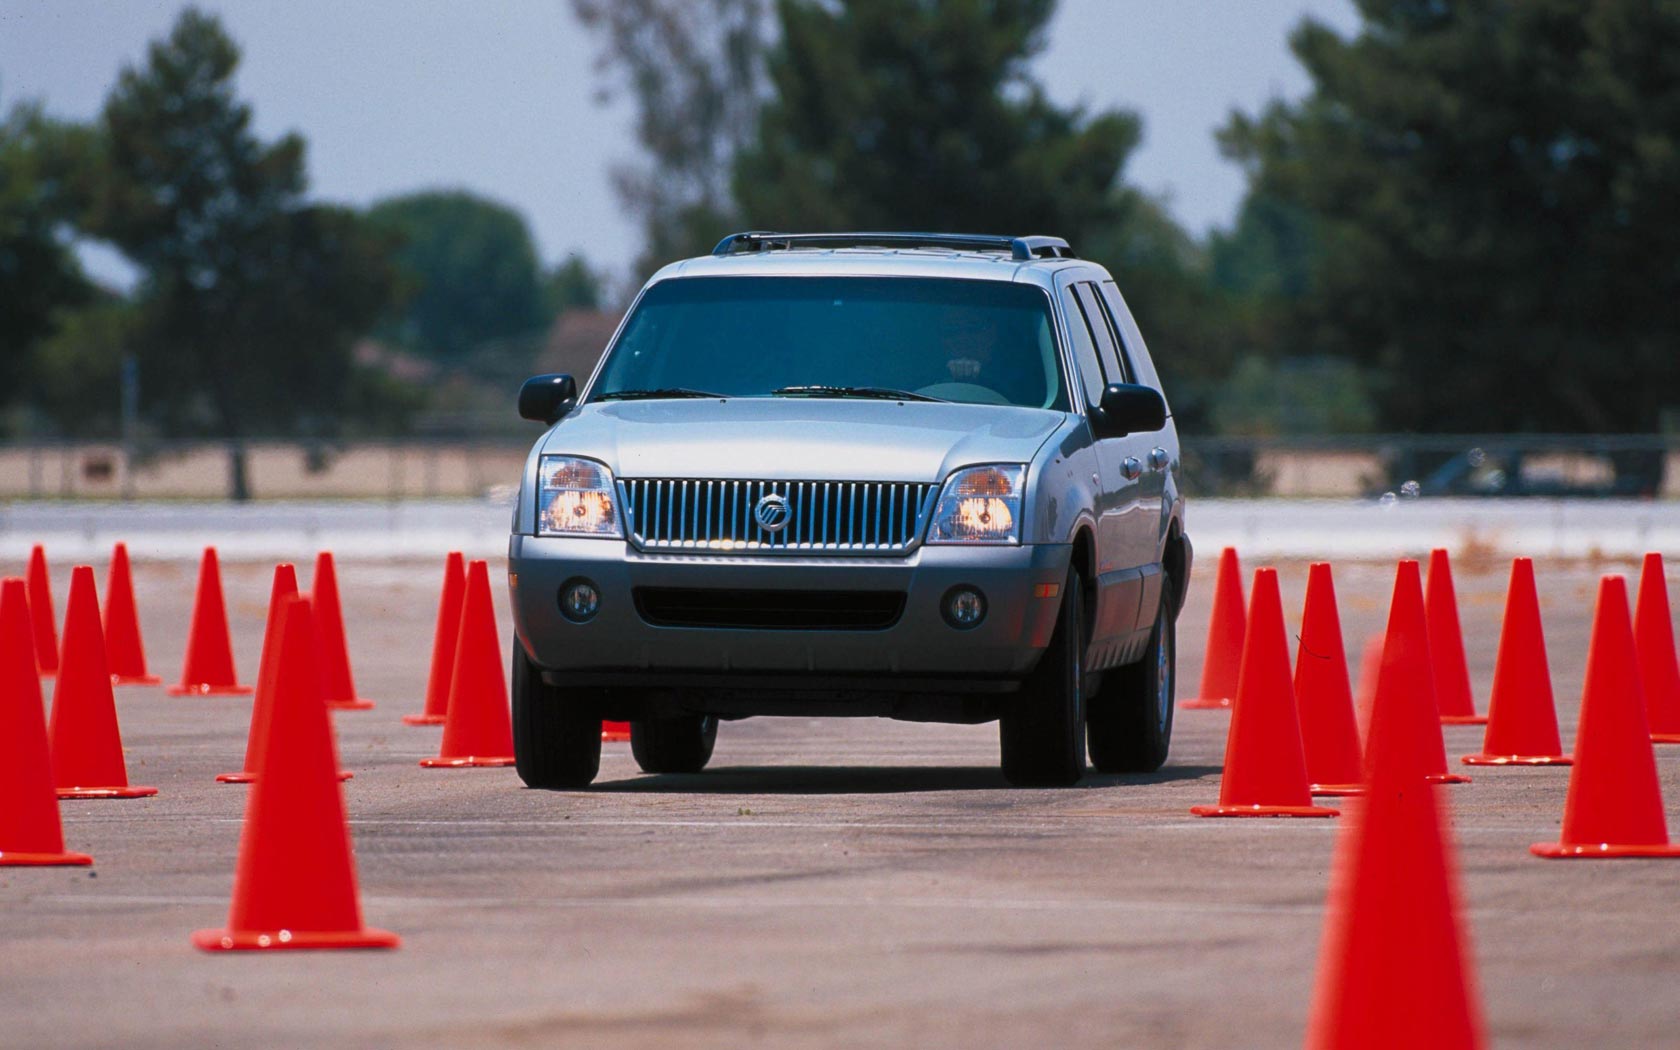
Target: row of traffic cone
{"x":1394,"y":900}
{"x":447,"y":637}
{"x":208,"y":668}
{"x":1227,"y":627}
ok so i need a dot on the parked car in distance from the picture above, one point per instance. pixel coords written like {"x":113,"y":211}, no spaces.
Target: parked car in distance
{"x":929,"y":477}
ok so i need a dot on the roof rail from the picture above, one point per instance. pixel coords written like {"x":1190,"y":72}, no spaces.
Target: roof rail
{"x":1021,"y":249}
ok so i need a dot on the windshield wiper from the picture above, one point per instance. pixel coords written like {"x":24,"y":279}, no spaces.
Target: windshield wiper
{"x":880,"y":393}
{"x":649,"y":395}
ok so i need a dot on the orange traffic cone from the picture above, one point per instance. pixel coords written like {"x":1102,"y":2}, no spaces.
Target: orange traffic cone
{"x":41,"y":609}
{"x":444,"y":635}
{"x":615,"y":732}
{"x":1614,"y":807}
{"x":284,"y":586}
{"x":1329,"y":734}
{"x":479,"y":730}
{"x":1408,"y":633}
{"x":295,"y":883}
{"x":1522,"y":719}
{"x":1394,"y":968}
{"x":1446,"y":646}
{"x":1365,"y":691}
{"x":1265,"y":768}
{"x":30,"y":832}
{"x":1222,"y":659}
{"x":335,"y":649}
{"x":87,"y":751}
{"x":208,"y":668}
{"x":123,"y":647}
{"x":1659,"y":670}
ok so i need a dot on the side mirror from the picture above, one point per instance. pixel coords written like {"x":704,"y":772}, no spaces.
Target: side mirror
{"x":1129,"y":408}
{"x":544,"y":398}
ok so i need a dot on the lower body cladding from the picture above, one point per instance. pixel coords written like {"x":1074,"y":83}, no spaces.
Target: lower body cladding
{"x":943,"y":634}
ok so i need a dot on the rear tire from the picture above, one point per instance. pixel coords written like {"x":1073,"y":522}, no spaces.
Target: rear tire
{"x":1129,"y":723}
{"x":1043,"y":731}
{"x":680,"y":744}
{"x":556,"y":732}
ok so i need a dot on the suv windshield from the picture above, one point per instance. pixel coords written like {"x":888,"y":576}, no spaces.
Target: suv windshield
{"x":978,"y":342}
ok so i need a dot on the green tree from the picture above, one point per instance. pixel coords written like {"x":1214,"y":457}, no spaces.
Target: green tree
{"x":39,"y":275}
{"x":1490,"y":190}
{"x":471,"y":271}
{"x":251,"y":296}
{"x":572,"y":285}
{"x":695,"y":70}
{"x":894,"y":115}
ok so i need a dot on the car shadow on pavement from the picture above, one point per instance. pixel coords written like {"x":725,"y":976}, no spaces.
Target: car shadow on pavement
{"x":862,"y":780}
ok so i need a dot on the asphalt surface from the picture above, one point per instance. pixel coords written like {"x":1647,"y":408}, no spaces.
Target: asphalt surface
{"x":825,"y":883}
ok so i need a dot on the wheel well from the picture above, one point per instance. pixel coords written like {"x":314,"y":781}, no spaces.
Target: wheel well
{"x":1172,"y":560}
{"x":1085,"y":564}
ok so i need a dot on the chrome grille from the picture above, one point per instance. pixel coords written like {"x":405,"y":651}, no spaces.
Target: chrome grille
{"x":716,"y":516}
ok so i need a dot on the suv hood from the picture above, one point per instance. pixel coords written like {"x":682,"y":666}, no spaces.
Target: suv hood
{"x":799,"y":438}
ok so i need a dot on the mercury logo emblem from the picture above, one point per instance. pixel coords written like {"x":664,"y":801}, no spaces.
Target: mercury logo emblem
{"x":772,"y":512}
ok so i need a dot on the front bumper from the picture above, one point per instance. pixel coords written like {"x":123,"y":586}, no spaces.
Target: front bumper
{"x":1007,"y":643}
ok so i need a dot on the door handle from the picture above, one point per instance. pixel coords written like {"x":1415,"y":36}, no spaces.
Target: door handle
{"x":1159,"y":459}
{"x":1131,"y":468}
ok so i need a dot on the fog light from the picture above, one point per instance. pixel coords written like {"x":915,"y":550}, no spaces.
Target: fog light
{"x":579,"y":600}
{"x":965,"y":607}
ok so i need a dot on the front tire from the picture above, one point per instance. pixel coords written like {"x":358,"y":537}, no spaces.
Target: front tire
{"x":680,"y":744}
{"x":1043,"y":731}
{"x":1129,"y":724}
{"x":556,"y":733}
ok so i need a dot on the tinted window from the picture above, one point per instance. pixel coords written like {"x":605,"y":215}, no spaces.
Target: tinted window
{"x":1084,"y":350}
{"x":1131,"y":338}
{"x":980,"y":342}
{"x":1096,"y":317}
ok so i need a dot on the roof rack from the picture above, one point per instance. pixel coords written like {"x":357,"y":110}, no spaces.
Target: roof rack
{"x":1021,"y":249}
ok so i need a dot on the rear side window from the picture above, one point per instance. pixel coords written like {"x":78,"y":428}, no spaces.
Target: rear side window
{"x":1084,"y":349}
{"x":1131,"y":339}
{"x":1105,"y":334}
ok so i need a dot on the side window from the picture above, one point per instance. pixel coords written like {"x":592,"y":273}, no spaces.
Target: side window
{"x":1131,"y":338}
{"x":1084,"y":349}
{"x":1102,"y":329}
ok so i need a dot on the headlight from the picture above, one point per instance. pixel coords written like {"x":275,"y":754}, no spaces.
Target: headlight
{"x":575,"y":498}
{"x":979,"y":505}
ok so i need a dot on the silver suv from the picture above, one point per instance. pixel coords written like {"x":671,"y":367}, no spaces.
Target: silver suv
{"x":917,"y":476}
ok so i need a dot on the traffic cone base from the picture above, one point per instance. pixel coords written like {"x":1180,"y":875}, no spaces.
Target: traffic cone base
{"x":251,"y":778}
{"x":1337,"y":790}
{"x":1446,"y":778}
{"x":1665,"y":738}
{"x":274,"y":940}
{"x":424,"y":720}
{"x":1563,"y":851}
{"x":1464,"y":720}
{"x":1517,"y":760}
{"x":205,"y":689}
{"x":127,"y":791}
{"x":136,"y":679}
{"x":349,"y":705}
{"x":1216,"y":703}
{"x":466,"y":761}
{"x":13,"y":859}
{"x":615,"y":732}
{"x":1264,"y":811}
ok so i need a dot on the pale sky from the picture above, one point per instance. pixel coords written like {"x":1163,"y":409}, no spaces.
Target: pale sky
{"x":497,"y":96}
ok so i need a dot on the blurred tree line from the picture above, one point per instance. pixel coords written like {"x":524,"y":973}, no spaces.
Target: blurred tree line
{"x":1468,"y":224}
{"x":251,"y":299}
